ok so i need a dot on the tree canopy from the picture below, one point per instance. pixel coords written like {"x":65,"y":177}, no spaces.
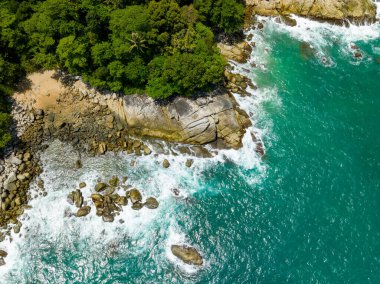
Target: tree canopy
{"x":158,"y":47}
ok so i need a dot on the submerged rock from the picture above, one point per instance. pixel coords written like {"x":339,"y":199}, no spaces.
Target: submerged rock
{"x":2,"y":261}
{"x":187,"y":254}
{"x":151,"y":203}
{"x":82,"y":185}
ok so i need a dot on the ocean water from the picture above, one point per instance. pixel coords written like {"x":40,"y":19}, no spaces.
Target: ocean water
{"x":307,"y":212}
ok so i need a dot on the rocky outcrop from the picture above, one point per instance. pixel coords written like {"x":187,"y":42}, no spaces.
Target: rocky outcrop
{"x":194,"y":121}
{"x":187,"y":254}
{"x":239,"y":52}
{"x":333,"y":10}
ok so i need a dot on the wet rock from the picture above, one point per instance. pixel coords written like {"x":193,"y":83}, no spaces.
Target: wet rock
{"x":3,"y":253}
{"x":82,"y":184}
{"x":85,"y":210}
{"x":288,"y":21}
{"x":78,"y":164}
{"x":137,"y":206}
{"x":147,"y":151}
{"x":100,"y":186}
{"x":151,"y":203}
{"x":2,"y":261}
{"x":78,"y":198}
{"x":114,"y":181}
{"x":122,"y":200}
{"x":187,"y":254}
{"x":189,"y":162}
{"x":108,"y":218}
{"x":17,"y":228}
{"x":166,"y":164}
{"x":135,"y":195}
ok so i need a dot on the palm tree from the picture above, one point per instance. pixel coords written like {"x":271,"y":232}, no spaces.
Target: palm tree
{"x":137,"y":42}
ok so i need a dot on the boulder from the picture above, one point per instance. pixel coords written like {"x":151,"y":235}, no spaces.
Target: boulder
{"x":187,"y":254}
{"x":137,"y":206}
{"x":196,"y":121}
{"x":239,"y":52}
{"x":3,"y":253}
{"x":135,"y":195}
{"x":333,"y":10}
{"x":114,"y":181}
{"x":85,"y":210}
{"x":108,"y":218}
{"x":189,"y":162}
{"x":2,"y":261}
{"x":151,"y":203}
{"x":100,"y":186}
{"x":82,"y":184}
{"x":166,"y":164}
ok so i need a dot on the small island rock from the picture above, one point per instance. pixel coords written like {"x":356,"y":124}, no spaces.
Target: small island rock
{"x":187,"y":254}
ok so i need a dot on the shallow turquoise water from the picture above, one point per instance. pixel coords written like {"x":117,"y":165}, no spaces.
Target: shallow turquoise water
{"x":308,"y":212}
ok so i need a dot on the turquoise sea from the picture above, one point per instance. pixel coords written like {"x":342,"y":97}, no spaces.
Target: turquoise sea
{"x":307,"y":212}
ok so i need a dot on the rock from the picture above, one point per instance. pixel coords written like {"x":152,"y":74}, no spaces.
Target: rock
{"x":100,"y":186}
{"x":11,"y":178}
{"x":122,"y":201}
{"x":239,"y":52}
{"x":82,"y":184}
{"x":193,"y":121}
{"x":288,"y":21}
{"x":2,"y":261}
{"x":189,"y":162}
{"x":27,"y":157}
{"x":166,"y":164}
{"x":108,"y":218}
{"x":10,"y":186}
{"x":187,"y":254}
{"x":151,"y":203}
{"x":332,"y":10}
{"x":70,"y":198}
{"x":85,"y":210}
{"x":17,"y":228}
{"x":114,"y":181}
{"x":147,"y":151}
{"x":15,"y":161}
{"x":137,"y":206}
{"x":78,"y":164}
{"x":3,"y":253}
{"x":102,"y":148}
{"x":78,"y":198}
{"x":135,"y":195}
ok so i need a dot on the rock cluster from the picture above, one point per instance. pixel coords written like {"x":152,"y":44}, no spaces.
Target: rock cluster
{"x":239,"y":52}
{"x":237,"y":83}
{"x":332,"y":10}
{"x":17,"y":172}
{"x":108,"y":203}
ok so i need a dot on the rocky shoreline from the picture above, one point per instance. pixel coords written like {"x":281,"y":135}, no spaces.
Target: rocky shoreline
{"x":95,"y":123}
{"x":336,"y":11}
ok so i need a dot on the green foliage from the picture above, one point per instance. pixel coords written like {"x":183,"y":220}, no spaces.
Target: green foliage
{"x":227,"y":15}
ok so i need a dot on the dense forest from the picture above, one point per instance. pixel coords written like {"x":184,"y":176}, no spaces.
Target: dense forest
{"x":161,"y":48}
